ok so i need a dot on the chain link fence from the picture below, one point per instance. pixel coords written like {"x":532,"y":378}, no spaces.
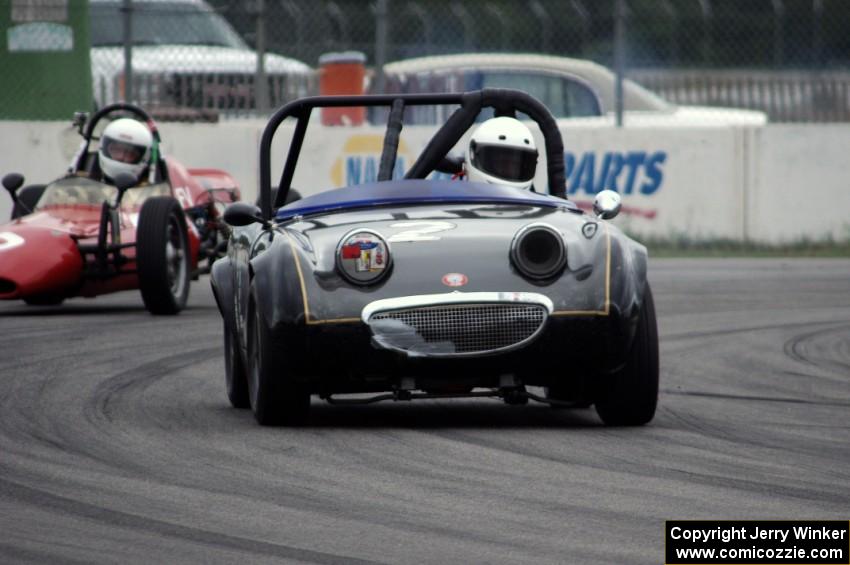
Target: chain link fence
{"x":196,"y":59}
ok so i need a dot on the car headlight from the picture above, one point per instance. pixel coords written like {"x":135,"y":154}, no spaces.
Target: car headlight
{"x":363,"y":257}
{"x":538,"y":251}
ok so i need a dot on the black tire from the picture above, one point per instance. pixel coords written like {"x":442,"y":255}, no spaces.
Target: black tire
{"x":162,"y":255}
{"x":236,"y":377}
{"x":630,"y":396}
{"x":44,"y":300}
{"x":28,"y":197}
{"x":275,"y":399}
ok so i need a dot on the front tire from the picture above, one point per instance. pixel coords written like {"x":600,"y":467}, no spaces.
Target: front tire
{"x":629,"y":397}
{"x":275,"y":398}
{"x":162,"y":255}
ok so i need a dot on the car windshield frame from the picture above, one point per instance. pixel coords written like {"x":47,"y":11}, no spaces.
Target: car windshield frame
{"x":82,"y":191}
{"x":162,"y":23}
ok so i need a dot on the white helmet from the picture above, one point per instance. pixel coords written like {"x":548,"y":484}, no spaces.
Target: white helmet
{"x":125,"y":147}
{"x":502,"y":151}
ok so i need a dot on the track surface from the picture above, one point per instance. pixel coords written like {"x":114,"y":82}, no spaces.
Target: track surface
{"x":117,"y":443}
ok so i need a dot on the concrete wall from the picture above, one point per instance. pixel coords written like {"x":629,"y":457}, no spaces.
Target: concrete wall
{"x":776,"y":184}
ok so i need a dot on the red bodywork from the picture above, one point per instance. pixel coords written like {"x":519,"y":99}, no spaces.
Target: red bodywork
{"x":49,"y":252}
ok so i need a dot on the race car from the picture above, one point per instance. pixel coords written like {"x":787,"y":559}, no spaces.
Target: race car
{"x":421,"y":288}
{"x":83,"y":236}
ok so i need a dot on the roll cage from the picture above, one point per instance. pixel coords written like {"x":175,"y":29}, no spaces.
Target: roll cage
{"x":505,"y":102}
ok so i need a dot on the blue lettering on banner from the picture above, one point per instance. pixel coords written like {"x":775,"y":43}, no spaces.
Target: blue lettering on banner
{"x":632,"y":172}
{"x":360,"y":169}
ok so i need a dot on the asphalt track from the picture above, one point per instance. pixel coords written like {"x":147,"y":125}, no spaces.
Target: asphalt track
{"x":117,"y":444}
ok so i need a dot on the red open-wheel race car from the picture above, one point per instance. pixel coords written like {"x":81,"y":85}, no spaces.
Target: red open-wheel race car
{"x":90,"y":233}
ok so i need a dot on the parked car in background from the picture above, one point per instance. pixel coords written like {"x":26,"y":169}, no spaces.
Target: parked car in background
{"x":575,"y":90}
{"x":185,"y":55}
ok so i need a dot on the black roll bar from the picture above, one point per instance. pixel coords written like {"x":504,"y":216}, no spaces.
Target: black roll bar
{"x":446,"y":137}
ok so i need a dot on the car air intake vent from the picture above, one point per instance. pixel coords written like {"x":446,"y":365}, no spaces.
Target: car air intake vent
{"x":538,"y":252}
{"x":458,"y":329}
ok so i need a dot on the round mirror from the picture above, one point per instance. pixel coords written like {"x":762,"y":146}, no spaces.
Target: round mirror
{"x":607,"y":204}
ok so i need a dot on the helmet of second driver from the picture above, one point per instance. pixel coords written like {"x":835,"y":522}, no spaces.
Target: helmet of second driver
{"x":502,"y":151}
{"x":125,"y":146}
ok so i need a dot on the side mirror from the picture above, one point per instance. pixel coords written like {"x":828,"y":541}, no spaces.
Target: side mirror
{"x":243,"y":214}
{"x":79,"y":122}
{"x":123,"y":182}
{"x":607,"y":204}
{"x":12,"y":182}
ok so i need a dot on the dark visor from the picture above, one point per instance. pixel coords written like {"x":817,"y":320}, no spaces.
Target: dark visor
{"x":122,"y":150}
{"x":509,"y":163}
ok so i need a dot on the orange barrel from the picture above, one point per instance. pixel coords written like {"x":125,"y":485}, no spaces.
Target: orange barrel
{"x":342,"y":73}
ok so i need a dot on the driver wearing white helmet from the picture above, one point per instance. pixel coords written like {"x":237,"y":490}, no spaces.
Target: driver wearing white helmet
{"x":125,"y":147}
{"x":502,"y":151}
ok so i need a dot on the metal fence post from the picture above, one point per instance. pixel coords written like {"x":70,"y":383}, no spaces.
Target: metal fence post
{"x":261,"y":86}
{"x":619,"y":56}
{"x":673,"y":57}
{"x":545,"y":25}
{"x":778,"y":33}
{"x":817,"y":32}
{"x":504,"y":25}
{"x":460,"y":12}
{"x":707,"y":13}
{"x":127,"y":9}
{"x":580,"y":10}
{"x":380,"y":44}
{"x":415,"y":10}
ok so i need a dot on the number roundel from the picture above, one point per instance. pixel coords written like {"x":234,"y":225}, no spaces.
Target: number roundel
{"x":363,"y":257}
{"x":10,"y":240}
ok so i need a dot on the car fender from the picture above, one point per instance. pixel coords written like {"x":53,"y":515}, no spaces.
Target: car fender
{"x":275,"y":277}
{"x":222,"y":282}
{"x":628,"y":281}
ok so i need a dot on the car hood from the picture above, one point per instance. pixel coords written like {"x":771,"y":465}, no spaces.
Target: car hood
{"x":76,"y":221}
{"x":430,"y":242}
{"x":191,"y":59}
{"x":79,"y":221}
{"x":36,"y":260}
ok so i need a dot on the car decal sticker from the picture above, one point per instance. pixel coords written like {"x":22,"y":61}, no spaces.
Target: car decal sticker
{"x":9,"y":240}
{"x":422,"y":231}
{"x":455,"y":279}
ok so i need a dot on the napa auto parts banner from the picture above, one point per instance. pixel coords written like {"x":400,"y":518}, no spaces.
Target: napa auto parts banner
{"x":672,"y":181}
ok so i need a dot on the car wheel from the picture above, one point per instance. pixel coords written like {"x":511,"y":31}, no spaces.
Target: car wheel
{"x":274,"y":399}
{"x":629,"y":397}
{"x":235,"y":375}
{"x":28,"y":197}
{"x":44,"y":300}
{"x":162,"y":255}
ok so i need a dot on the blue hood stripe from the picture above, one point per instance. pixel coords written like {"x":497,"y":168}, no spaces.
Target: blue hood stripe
{"x":416,"y":191}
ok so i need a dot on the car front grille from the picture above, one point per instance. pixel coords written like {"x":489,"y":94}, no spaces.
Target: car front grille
{"x":458,"y":329}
